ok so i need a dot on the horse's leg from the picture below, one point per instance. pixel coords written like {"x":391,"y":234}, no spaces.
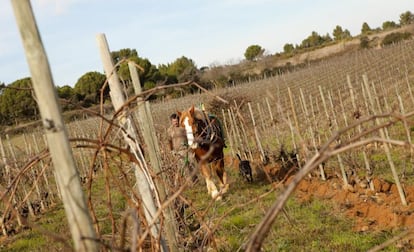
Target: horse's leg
{"x":222,"y":175}
{"x":211,"y":187}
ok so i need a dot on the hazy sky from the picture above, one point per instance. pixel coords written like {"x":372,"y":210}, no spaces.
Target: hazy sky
{"x":210,"y":32}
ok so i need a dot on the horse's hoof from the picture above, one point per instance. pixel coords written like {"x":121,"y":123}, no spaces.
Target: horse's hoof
{"x":225,"y":188}
{"x":216,"y":195}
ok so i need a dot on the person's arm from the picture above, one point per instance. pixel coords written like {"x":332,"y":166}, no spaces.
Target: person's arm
{"x":169,"y":139}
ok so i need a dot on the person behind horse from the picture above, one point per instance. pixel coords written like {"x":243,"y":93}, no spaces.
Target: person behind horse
{"x":177,"y":142}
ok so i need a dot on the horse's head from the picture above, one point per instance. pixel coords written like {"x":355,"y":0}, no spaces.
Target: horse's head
{"x":202,"y":129}
{"x":188,"y":121}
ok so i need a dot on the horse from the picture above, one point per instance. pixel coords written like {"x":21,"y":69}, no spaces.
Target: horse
{"x":205,"y":140}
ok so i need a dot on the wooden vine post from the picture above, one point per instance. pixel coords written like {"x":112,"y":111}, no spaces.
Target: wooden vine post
{"x":386,"y":146}
{"x":229,"y":134}
{"x":407,"y":130}
{"x":364,"y":153}
{"x":336,"y":125}
{"x":256,"y":133}
{"x":295,"y":118}
{"x":147,"y":127}
{"x":145,"y":184}
{"x":68,"y":181}
{"x":7,"y":174}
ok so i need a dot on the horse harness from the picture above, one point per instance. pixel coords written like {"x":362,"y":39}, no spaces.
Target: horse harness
{"x":208,"y":128}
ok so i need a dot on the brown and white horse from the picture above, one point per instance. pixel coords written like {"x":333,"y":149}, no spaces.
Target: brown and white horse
{"x":205,"y":139}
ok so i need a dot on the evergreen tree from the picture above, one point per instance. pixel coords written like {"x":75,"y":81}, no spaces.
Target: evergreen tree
{"x":389,"y":25}
{"x":365,"y":28}
{"x":340,"y":34}
{"x":17,"y":102}
{"x":288,"y":48}
{"x":406,"y":18}
{"x":253,"y":52}
{"x":88,"y":88}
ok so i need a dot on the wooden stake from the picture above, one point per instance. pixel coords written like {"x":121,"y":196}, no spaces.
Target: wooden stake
{"x":386,"y":148}
{"x":147,"y":128}
{"x":145,"y":184}
{"x":77,"y":213}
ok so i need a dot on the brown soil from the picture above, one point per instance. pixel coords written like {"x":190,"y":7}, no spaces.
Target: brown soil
{"x":373,"y":210}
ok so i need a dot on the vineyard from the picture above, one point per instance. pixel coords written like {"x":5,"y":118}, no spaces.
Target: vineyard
{"x":330,"y":147}
{"x":346,"y":120}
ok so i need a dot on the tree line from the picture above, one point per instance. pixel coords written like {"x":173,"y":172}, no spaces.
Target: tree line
{"x":17,"y":102}
{"x":315,"y":40}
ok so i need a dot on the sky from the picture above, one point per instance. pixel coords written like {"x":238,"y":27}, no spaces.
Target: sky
{"x":209,"y":32}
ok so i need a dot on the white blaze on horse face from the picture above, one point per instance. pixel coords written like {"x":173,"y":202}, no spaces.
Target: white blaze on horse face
{"x":189,"y":131}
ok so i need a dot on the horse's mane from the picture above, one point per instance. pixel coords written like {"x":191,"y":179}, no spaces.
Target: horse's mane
{"x":199,"y":114}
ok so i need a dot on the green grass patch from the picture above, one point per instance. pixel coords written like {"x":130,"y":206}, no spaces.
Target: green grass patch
{"x":315,"y":226}
{"x":28,"y":242}
{"x":44,"y":234}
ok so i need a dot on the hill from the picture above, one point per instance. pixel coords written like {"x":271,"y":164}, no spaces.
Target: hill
{"x":273,"y":64}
